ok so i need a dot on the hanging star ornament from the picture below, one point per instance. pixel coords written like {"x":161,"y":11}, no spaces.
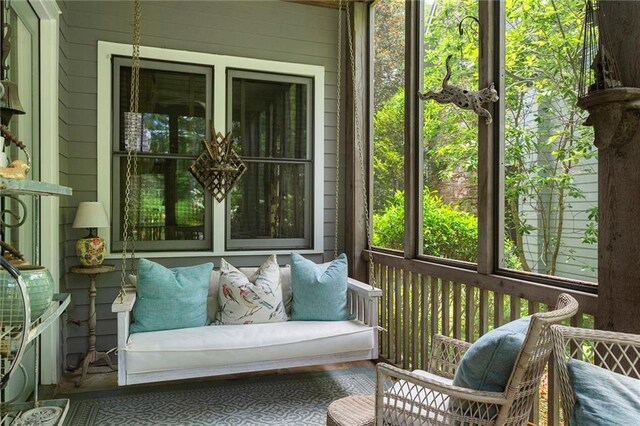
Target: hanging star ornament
{"x":218,"y":167}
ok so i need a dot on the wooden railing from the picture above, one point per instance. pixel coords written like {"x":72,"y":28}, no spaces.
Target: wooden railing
{"x":421,"y":299}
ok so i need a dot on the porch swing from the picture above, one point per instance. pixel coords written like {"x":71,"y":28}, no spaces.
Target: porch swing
{"x":153,"y":356}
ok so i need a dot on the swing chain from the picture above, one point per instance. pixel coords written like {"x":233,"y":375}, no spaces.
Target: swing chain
{"x":132,"y":132}
{"x":338,"y":101}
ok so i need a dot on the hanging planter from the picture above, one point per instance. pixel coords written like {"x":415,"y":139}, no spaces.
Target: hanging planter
{"x":614,"y":110}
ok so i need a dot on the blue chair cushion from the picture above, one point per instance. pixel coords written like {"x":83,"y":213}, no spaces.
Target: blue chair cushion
{"x":603,"y":398}
{"x":169,"y":298}
{"x":488,"y":363}
{"x":319,"y":291}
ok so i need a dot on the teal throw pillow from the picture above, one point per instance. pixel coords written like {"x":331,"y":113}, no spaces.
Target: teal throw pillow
{"x":319,"y":291}
{"x":169,"y":298}
{"x":603,"y":398}
{"x":488,"y":363}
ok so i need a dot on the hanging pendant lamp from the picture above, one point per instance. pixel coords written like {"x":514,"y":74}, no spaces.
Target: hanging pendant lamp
{"x":9,"y":100}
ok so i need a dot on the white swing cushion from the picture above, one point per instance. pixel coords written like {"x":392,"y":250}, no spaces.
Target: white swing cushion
{"x":226,"y":345}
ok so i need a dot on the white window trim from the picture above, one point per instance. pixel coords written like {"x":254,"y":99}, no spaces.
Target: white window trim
{"x":106,"y":50}
{"x":48,"y":12}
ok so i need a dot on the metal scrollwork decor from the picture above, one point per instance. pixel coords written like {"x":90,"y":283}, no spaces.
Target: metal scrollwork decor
{"x":463,"y":98}
{"x":219,"y":167}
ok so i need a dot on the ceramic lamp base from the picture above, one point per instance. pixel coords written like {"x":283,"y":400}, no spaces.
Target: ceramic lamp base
{"x":90,"y":251}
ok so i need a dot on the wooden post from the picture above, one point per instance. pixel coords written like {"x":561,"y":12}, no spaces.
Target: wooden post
{"x":491,"y":58}
{"x":412,"y":129}
{"x":619,"y":181}
{"x":355,"y":225}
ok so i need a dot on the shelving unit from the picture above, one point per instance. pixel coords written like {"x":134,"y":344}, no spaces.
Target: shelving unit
{"x":12,"y":413}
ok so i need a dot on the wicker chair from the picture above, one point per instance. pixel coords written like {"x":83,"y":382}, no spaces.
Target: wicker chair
{"x":430,"y":398}
{"x":617,"y":352}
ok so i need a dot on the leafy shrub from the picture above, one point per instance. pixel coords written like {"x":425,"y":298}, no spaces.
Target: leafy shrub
{"x":447,"y":231}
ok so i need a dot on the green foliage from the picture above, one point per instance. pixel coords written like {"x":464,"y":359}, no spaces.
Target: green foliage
{"x":388,"y":45}
{"x":388,"y":158}
{"x":447,"y":231}
{"x":545,"y":145}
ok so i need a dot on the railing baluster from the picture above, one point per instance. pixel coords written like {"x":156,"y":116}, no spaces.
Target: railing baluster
{"x":391,"y":314}
{"x":498,"y":310}
{"x":434,"y":307}
{"x":446,"y":317}
{"x":398,"y":316}
{"x":483,"y":326}
{"x":415,"y":336}
{"x":382,"y":279}
{"x":470,"y":313}
{"x":406,"y":307}
{"x":553,"y":396}
{"x":457,"y":311}
{"x":515,"y":308}
{"x":426,"y":336}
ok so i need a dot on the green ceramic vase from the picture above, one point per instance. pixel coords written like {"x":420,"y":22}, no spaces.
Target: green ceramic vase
{"x":39,"y":287}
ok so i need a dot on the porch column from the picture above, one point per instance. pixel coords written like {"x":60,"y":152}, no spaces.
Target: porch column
{"x":355,"y":225}
{"x":617,"y":129}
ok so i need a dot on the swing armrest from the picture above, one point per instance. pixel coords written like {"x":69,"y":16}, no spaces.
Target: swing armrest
{"x":363,"y":289}
{"x":123,"y":307}
{"x":362,"y":302}
{"x":126,"y":303}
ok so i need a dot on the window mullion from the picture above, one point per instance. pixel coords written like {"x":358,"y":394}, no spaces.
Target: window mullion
{"x":489,"y":154}
{"x":412,"y":130}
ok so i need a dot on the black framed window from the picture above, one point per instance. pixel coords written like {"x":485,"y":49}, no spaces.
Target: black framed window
{"x":172,"y":211}
{"x":271,"y":118}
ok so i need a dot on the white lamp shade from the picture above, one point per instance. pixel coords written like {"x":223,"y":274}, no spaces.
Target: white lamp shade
{"x":90,"y":214}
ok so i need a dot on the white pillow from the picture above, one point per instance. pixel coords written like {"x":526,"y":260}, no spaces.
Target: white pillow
{"x":250,"y":300}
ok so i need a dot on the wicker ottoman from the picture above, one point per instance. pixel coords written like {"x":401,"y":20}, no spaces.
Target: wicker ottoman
{"x":356,"y":410}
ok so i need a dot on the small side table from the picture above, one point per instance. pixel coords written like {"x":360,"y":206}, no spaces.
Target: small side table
{"x":92,"y":354}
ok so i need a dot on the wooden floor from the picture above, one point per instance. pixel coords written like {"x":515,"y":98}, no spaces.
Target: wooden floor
{"x":102,"y":378}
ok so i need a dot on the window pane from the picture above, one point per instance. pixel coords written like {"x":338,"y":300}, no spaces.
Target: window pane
{"x":269,"y":202}
{"x":388,"y":124}
{"x":158,"y":137}
{"x":450,"y":134}
{"x":550,"y":171}
{"x":173,"y":107}
{"x":270,"y":206}
{"x":171,"y":203}
{"x":271,"y":118}
{"x":168,"y":203}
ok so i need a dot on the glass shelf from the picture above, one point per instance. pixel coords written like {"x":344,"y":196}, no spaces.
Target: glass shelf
{"x":20,"y":411}
{"x":56,"y":308}
{"x":31,"y":187}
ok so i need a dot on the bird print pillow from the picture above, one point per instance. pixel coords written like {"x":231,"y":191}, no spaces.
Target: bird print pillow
{"x":250,"y":300}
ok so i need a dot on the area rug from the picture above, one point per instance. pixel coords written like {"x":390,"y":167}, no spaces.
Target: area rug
{"x":291,"y":399}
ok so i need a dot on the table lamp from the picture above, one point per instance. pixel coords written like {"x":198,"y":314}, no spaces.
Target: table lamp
{"x":90,"y":249}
